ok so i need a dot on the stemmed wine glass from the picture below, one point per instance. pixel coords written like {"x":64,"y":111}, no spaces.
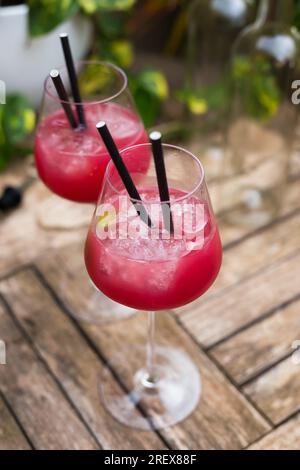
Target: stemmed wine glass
{"x":71,"y":160}
{"x":142,"y":264}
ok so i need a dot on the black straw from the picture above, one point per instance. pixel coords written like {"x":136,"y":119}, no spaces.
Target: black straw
{"x":123,"y":172}
{"x":61,"y":91}
{"x":73,"y":78}
{"x":157,"y":149}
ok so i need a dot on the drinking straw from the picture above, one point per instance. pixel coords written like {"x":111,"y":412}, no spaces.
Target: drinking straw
{"x":157,"y":149}
{"x":123,"y":172}
{"x":73,"y":78}
{"x":61,"y":91}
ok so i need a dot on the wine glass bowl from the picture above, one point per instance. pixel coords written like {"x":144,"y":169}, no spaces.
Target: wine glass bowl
{"x":142,"y":264}
{"x":70,"y":157}
{"x":72,"y":162}
{"x":174,"y":270}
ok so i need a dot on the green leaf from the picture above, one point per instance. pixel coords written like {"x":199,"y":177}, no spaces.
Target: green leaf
{"x":257,"y":87}
{"x":5,"y":156}
{"x":154,"y":83}
{"x":94,"y":79}
{"x":206,"y":98}
{"x":297,"y":14}
{"x":45,"y":15}
{"x":121,"y":52}
{"x":111,"y":25}
{"x":196,"y":104}
{"x":18,"y":119}
{"x":148,"y":106}
{"x":91,"y":6}
{"x":2,"y":133}
{"x":4,"y":147}
{"x":147,"y":96}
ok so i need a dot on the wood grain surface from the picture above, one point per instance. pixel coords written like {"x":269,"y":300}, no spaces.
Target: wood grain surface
{"x":242,"y":336}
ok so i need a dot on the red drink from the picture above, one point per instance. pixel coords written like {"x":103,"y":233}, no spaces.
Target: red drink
{"x":72,"y":162}
{"x":154,"y":274}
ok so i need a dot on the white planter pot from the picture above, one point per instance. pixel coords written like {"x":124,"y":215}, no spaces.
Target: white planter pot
{"x":25,"y":62}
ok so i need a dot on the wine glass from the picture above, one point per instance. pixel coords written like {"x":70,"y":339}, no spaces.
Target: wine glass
{"x":72,"y":161}
{"x":146,"y":267}
{"x":263,"y":119}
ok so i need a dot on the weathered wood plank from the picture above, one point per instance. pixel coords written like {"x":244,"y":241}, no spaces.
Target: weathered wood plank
{"x":69,"y":357}
{"x":231,"y":233}
{"x":11,"y":436}
{"x":260,"y":346}
{"x":49,"y":420}
{"x":254,"y":254}
{"x":286,"y":437}
{"x":16,"y":249}
{"x":257,"y":252}
{"x":223,"y":419}
{"x":18,"y":170}
{"x":23,"y":238}
{"x":222,"y":315}
{"x":90,"y":301}
{"x":277,"y":392}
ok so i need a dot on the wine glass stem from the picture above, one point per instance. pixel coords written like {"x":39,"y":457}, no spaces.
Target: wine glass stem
{"x":151,"y":347}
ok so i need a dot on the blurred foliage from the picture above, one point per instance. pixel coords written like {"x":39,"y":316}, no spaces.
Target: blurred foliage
{"x":110,"y":18}
{"x":115,"y":22}
{"x":150,"y":89}
{"x":112,"y":43}
{"x":214,"y":96}
{"x":91,"y":6}
{"x":297,"y":14}
{"x":149,"y":86}
{"x":45,"y":15}
{"x":257,"y":87}
{"x":254,"y":81}
{"x":17,"y":120}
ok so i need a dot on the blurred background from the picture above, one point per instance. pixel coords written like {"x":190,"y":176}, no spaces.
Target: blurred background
{"x":206,"y":71}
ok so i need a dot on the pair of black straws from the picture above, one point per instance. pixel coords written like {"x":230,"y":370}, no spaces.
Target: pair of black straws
{"x":157,"y":149}
{"x":155,"y":138}
{"x":61,"y":90}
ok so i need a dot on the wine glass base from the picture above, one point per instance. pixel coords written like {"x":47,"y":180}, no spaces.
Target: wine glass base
{"x":257,"y":208}
{"x":137,"y":402}
{"x":106,"y":311}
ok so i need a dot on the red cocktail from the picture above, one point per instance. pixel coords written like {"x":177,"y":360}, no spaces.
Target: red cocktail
{"x":136,"y":261}
{"x":154,"y":274}
{"x":71,"y":159}
{"x":72,"y":162}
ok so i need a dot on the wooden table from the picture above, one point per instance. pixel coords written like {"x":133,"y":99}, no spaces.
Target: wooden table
{"x":240,"y":334}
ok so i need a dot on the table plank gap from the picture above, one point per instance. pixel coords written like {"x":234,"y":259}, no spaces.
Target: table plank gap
{"x":34,"y":396}
{"x":235,"y":420}
{"x":257,"y":349}
{"x":243,"y":304}
{"x":224,"y":227}
{"x":70,"y":359}
{"x":231,"y":234}
{"x":12,"y":434}
{"x":254,"y":255}
{"x":20,"y":250}
{"x":284,"y":437}
{"x":253,"y":323}
{"x":277,"y":392}
{"x":222,"y":369}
